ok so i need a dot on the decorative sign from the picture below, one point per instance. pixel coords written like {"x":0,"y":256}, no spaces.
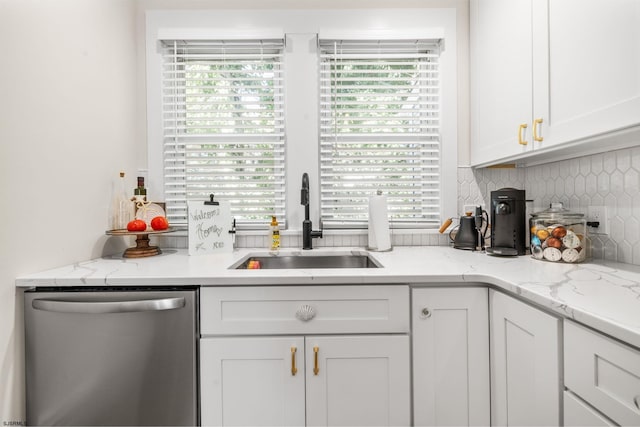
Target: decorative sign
{"x":209,"y":226}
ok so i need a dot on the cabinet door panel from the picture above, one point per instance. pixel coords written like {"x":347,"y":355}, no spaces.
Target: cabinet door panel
{"x":451,"y":356}
{"x":501,"y":77}
{"x":594,"y":75}
{"x":249,"y":381}
{"x":525,"y":364}
{"x":361,"y":380}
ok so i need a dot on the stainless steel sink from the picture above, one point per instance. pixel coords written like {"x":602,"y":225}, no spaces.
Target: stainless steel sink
{"x":294,"y":261}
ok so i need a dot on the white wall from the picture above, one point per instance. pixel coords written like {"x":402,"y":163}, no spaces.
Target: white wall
{"x":67,"y":126}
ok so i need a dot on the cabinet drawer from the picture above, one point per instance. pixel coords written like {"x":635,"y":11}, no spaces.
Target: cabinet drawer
{"x":579,"y":414}
{"x":304,"y":310}
{"x":603,"y":372}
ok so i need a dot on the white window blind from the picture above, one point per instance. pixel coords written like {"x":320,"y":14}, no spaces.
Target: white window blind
{"x":223,"y":127}
{"x":380,"y":130}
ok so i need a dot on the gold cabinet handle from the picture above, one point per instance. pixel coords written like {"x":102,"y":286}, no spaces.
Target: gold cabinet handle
{"x":294,"y":370}
{"x":537,"y":123}
{"x":315,"y":360}
{"x":520,"y":140}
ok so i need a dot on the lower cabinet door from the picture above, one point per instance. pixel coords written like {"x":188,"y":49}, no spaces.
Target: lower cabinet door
{"x":358,"y":380}
{"x":451,"y":357}
{"x":252,"y":381}
{"x":525,"y":364}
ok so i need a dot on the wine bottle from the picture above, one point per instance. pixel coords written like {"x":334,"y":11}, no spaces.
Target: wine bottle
{"x":140,"y":193}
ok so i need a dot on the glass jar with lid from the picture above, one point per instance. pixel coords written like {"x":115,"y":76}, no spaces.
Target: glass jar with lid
{"x":559,"y":235}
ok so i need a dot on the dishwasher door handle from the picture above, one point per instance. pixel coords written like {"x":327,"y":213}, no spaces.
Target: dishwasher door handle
{"x":101,"y":307}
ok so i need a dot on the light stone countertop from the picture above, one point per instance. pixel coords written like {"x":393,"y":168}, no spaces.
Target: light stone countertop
{"x":602,"y":295}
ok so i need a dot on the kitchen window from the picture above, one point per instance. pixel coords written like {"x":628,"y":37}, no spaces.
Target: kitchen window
{"x":418,"y":142}
{"x":380,"y":130}
{"x":223,"y":127}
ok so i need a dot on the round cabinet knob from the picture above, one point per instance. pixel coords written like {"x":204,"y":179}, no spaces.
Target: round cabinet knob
{"x":305,"y":313}
{"x":425,"y":313}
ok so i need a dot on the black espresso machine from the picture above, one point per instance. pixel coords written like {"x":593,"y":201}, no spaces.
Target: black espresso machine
{"x":508,"y":222}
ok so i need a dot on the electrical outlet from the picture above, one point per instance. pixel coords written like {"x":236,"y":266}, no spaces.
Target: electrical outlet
{"x":598,"y":214}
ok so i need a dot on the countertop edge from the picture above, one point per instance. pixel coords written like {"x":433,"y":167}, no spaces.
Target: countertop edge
{"x":453,"y":268}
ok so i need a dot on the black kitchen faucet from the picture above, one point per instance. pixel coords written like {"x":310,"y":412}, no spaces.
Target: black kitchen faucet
{"x":307,"y":229}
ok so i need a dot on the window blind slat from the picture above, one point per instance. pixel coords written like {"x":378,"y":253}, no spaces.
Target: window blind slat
{"x":382,"y":103}
{"x":379,"y":129}
{"x":223,"y":124}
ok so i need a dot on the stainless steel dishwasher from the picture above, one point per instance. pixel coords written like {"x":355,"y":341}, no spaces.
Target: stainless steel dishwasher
{"x":125,"y":357}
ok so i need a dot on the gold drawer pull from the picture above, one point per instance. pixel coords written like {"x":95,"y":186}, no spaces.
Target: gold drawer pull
{"x":537,"y":123}
{"x":294,"y":370}
{"x":520,"y":140}
{"x":315,"y":360}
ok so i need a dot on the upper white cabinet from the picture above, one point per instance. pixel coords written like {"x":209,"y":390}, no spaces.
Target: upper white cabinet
{"x":552,"y":76}
{"x":594,"y":69}
{"x":501,"y":76}
{"x":525,"y":364}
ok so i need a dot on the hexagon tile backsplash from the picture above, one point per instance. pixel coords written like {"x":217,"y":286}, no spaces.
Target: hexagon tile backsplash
{"x":610,"y":179}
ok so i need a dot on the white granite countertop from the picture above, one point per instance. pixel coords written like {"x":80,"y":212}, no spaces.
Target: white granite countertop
{"x":603,"y":295}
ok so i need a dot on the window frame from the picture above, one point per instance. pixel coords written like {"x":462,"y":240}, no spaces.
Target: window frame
{"x":414,"y":130}
{"x":302,"y":121}
{"x":203,"y":159}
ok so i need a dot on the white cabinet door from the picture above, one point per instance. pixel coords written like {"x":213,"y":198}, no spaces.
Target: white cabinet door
{"x":525,"y":364}
{"x":501,"y":78}
{"x":593,"y":69}
{"x":450,"y":357}
{"x":358,"y":380}
{"x":250,"y":382}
